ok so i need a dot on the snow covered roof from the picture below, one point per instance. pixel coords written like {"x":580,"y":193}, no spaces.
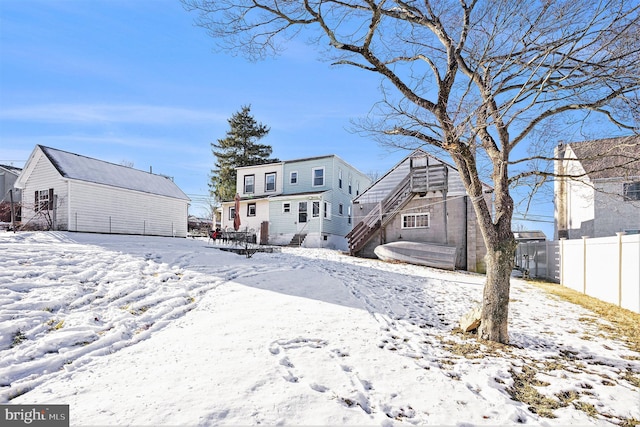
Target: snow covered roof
{"x":12,"y":169}
{"x":81,"y":168}
{"x":387,"y":182}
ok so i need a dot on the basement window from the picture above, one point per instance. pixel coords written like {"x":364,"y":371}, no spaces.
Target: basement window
{"x":415,"y":220}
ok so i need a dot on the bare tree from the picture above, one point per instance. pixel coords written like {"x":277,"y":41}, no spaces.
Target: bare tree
{"x":479,"y":80}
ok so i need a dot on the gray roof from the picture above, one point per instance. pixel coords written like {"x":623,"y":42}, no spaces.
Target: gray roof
{"x":16,"y":171}
{"x":610,"y":157}
{"x":81,"y":168}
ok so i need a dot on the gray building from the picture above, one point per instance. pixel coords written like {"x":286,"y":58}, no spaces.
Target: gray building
{"x":8,"y":177}
{"x":597,"y":193}
{"x":421,"y":199}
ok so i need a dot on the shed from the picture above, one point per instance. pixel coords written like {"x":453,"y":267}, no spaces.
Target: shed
{"x":67,"y":191}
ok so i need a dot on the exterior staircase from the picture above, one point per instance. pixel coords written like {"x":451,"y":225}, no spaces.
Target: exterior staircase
{"x":419,"y":180}
{"x":297,"y":240}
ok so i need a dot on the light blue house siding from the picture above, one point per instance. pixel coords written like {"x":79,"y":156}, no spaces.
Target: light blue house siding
{"x":324,"y":185}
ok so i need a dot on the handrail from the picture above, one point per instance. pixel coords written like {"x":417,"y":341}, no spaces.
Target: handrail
{"x":361,"y":233}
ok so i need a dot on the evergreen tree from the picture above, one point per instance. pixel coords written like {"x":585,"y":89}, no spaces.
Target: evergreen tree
{"x":238,"y":148}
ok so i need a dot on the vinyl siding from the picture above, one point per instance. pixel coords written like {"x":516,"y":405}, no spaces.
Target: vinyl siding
{"x":338,"y":224}
{"x":259,"y":172}
{"x":43,"y":177}
{"x":386,"y":184}
{"x":305,"y":170}
{"x":283,"y":226}
{"x":90,"y":207}
{"x":103,"y":209}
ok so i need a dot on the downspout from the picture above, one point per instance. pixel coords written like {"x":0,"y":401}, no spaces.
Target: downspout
{"x":446,"y":221}
{"x":465,"y":238}
{"x":322,"y":216}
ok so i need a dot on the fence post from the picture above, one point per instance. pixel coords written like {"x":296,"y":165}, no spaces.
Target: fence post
{"x":584,"y":265}
{"x":620,"y":234}
{"x":546,"y":260}
{"x":562,"y":260}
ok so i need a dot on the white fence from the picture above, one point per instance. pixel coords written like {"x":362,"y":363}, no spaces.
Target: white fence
{"x":607,"y":268}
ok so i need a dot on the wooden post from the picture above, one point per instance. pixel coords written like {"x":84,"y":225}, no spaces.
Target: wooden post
{"x":13,"y":211}
{"x":446,"y":221}
{"x":380,"y":218}
{"x":54,"y":220}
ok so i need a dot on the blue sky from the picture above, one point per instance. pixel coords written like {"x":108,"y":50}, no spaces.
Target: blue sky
{"x":137,"y":82}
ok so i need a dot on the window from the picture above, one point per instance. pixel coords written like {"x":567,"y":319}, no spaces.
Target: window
{"x":293,"y":178}
{"x":316,"y":209}
{"x":415,"y":220}
{"x":631,"y":190}
{"x":327,"y":210}
{"x":269,"y":182}
{"x":349,"y":215}
{"x":251,"y":209}
{"x":318,"y":177}
{"x":350,"y":184}
{"x":249,"y":184}
{"x":357,"y":188}
{"x":340,"y":209}
{"x":43,"y":200}
{"x":340,"y":178}
{"x":286,"y":207}
{"x":232,"y":212}
{"x":302,"y":211}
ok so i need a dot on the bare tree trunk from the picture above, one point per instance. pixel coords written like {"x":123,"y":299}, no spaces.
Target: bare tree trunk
{"x":495,"y":298}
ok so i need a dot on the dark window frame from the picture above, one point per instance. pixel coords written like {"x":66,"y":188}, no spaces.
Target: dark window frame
{"x":267,"y":175}
{"x":252,"y":186}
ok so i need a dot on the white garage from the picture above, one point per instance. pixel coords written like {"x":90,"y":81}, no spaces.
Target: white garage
{"x":67,"y":191}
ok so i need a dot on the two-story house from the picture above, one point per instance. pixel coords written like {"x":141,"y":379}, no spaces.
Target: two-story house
{"x":597,"y":191}
{"x":305,"y":202}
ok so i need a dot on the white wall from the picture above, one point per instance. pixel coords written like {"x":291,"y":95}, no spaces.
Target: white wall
{"x":44,"y":176}
{"x":259,"y":173}
{"x":104,"y":209}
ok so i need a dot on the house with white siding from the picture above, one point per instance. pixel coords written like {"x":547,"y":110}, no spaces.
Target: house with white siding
{"x":421,"y":199}
{"x":305,"y":202}
{"x":67,"y":191}
{"x":597,"y":192}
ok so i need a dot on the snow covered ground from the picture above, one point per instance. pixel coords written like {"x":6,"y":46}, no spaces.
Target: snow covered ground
{"x":132,"y":330}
